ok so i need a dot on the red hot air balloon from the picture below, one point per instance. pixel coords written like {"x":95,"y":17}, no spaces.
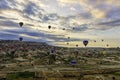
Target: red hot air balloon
{"x":85,"y":42}
{"x":21,"y":24}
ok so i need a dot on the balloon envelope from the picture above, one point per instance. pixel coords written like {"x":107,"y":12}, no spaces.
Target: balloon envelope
{"x":107,"y":45}
{"x":85,"y":42}
{"x":73,"y":28}
{"x":102,"y":40}
{"x":76,"y":45}
{"x":67,"y":43}
{"x":49,"y":26}
{"x":73,"y":62}
{"x":94,"y":40}
{"x":21,"y":24}
{"x":20,"y":39}
{"x":68,"y":37}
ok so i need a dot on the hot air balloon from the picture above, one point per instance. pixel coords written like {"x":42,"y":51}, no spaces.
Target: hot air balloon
{"x":21,"y":24}
{"x":102,"y":40}
{"x":68,"y":37}
{"x":117,"y":47}
{"x":104,"y":52}
{"x":94,"y":40}
{"x":107,"y":45}
{"x":0,"y":49}
{"x":49,"y":27}
{"x":113,"y":78}
{"x":52,"y":51}
{"x":20,"y":39}
{"x":85,"y":42}
{"x":76,"y":45}
{"x":63,"y":29}
{"x":73,"y":62}
{"x":67,"y":43}
{"x":73,"y":28}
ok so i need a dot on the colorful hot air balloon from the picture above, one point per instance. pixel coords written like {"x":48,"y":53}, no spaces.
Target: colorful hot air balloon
{"x":20,"y":39}
{"x":85,"y":42}
{"x":49,"y":27}
{"x":21,"y":24}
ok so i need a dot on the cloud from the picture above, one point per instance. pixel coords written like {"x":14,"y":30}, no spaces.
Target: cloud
{"x":113,"y":13}
{"x":112,"y":23}
{"x":32,"y":9}
{"x":8,"y":23}
{"x":86,"y":16}
{"x":4,"y":4}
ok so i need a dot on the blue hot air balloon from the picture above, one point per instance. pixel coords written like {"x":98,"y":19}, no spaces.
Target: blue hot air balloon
{"x":73,"y":62}
{"x":85,"y":42}
{"x":20,"y":39}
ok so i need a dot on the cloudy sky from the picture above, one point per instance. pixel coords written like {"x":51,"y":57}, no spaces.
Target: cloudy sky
{"x":91,"y":20}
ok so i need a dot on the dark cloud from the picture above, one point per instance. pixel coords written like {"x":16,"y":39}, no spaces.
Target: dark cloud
{"x":80,"y":28}
{"x":7,"y":4}
{"x":14,"y":31}
{"x":4,"y":18}
{"x":75,"y":28}
{"x":32,"y":9}
{"x":50,"y":17}
{"x":114,"y":13}
{"x":1,"y":17}
{"x":8,"y":36}
{"x":85,"y":15}
{"x":111,"y":23}
{"x":8,"y":23}
{"x":4,"y":4}
{"x":29,"y":24}
{"x":57,"y":38}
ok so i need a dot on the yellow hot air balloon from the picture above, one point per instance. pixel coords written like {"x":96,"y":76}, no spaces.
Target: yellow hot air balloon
{"x":104,"y":53}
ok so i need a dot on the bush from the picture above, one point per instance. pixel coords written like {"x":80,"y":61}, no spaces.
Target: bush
{"x":20,"y":75}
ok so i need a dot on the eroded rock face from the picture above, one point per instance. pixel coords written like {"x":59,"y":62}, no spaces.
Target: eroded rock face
{"x":93,"y":77}
{"x":100,"y":77}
